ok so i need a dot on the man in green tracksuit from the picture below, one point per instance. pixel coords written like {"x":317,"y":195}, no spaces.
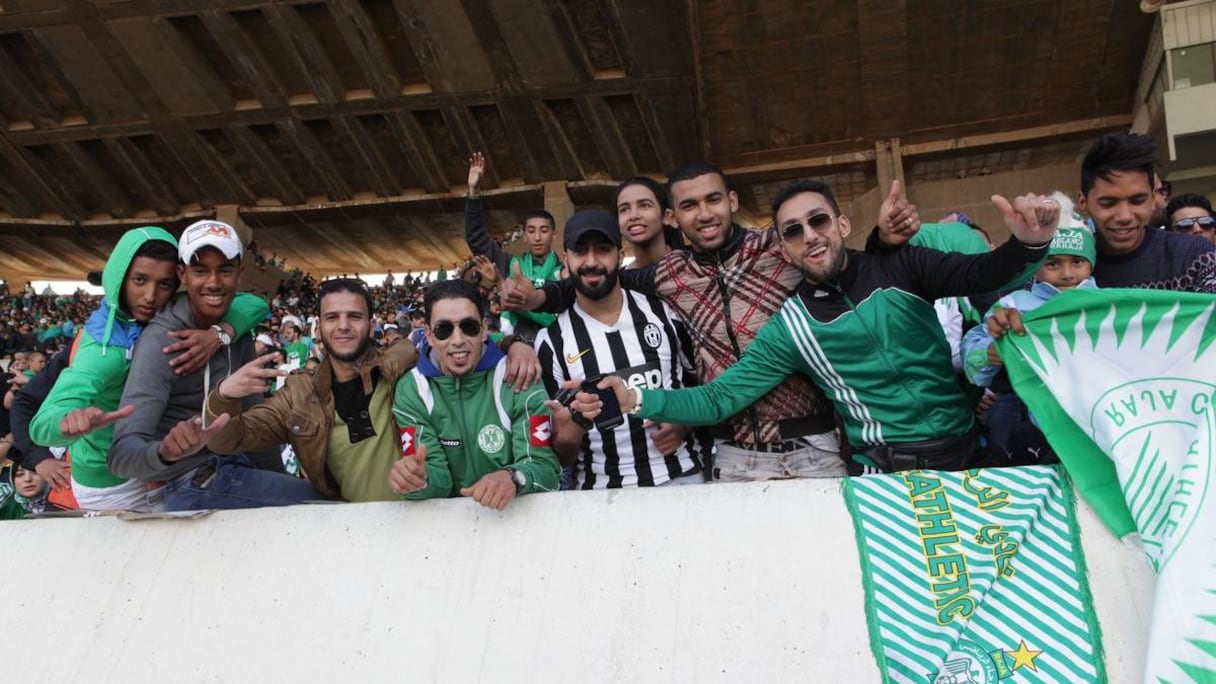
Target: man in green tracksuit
{"x":862,"y":327}
{"x":539,"y":265}
{"x":139,"y":278}
{"x":464,"y":431}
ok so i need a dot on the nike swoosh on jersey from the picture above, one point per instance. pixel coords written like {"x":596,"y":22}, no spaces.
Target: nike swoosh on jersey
{"x":571,"y":358}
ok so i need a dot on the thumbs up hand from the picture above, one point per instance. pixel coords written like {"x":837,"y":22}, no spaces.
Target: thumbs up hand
{"x":409,"y":473}
{"x":517,"y":291}
{"x":189,"y":437}
{"x":898,"y":219}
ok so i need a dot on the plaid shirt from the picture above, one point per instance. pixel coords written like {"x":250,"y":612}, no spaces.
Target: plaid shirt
{"x":724,"y":298}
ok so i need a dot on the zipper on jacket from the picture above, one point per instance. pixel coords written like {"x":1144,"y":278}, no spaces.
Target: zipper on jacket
{"x":878,"y":348}
{"x":734,"y":342}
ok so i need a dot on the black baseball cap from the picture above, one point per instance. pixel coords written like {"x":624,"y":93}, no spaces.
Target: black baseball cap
{"x":592,"y":221}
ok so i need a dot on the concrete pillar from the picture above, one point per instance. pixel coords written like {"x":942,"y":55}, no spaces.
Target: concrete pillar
{"x":558,"y":203}
{"x":261,"y":280}
{"x":230,"y":214}
{"x":890,"y":163}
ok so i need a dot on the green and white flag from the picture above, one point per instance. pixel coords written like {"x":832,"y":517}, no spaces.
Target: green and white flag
{"x":1122,"y":383}
{"x":975,"y":577}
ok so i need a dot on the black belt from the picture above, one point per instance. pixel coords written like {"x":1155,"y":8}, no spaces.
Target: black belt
{"x":770,"y":447}
{"x":950,"y":453}
{"x":789,"y":429}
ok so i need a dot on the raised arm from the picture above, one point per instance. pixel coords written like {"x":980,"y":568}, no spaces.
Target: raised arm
{"x":475,"y":233}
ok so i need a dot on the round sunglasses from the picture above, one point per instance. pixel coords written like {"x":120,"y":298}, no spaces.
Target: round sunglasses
{"x":444,"y":329}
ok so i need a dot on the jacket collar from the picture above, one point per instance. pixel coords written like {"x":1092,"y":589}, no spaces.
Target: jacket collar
{"x":323,"y":380}
{"x":727,"y":250}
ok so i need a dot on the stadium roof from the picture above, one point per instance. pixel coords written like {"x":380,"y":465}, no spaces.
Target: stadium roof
{"x":340,"y":129}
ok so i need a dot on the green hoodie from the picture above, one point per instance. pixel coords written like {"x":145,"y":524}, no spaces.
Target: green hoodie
{"x":101,"y":357}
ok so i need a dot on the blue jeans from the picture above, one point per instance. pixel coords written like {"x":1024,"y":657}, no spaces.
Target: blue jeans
{"x":227,"y":482}
{"x":1004,"y":414}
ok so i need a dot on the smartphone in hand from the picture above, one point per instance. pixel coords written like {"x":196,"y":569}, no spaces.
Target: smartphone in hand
{"x":610,"y":416}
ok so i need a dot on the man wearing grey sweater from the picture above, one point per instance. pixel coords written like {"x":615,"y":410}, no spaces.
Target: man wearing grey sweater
{"x":163,"y":441}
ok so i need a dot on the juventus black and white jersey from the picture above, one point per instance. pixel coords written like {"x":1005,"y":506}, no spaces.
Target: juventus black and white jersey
{"x":648,"y":348}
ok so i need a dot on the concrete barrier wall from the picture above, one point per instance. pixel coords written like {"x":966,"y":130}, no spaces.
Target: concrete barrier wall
{"x":740,"y":582}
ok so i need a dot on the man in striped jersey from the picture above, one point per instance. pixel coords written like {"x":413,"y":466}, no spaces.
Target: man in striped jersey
{"x":861,"y":326}
{"x":632,"y":336}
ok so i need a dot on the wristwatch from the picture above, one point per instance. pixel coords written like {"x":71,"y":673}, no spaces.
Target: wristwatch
{"x":518,"y":478}
{"x":225,"y":338}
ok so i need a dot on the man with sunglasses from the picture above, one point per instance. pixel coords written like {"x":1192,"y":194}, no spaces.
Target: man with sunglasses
{"x":1192,"y":214}
{"x":848,"y":329}
{"x":463,"y":430}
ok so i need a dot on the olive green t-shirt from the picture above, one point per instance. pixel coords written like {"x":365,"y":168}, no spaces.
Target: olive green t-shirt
{"x":362,"y":469}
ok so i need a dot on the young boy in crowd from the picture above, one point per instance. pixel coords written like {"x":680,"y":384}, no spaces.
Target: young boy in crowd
{"x":1013,"y":434}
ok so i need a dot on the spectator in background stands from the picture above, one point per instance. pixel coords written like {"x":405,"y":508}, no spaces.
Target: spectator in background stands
{"x":417,"y":327}
{"x":263,"y":344}
{"x":539,"y":265}
{"x":1161,"y":197}
{"x":1192,"y":214}
{"x":295,"y":350}
{"x":391,"y":334}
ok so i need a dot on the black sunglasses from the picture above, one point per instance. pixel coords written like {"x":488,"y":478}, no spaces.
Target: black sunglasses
{"x":444,"y":329}
{"x":796,"y":230}
{"x":1204,"y":222}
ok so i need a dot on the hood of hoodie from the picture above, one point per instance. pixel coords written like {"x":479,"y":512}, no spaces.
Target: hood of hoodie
{"x":490,"y":356}
{"x":109,"y":324}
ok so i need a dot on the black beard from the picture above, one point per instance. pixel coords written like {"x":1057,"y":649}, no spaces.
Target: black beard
{"x":832,"y":273}
{"x":600,"y":291}
{"x":353,"y":356}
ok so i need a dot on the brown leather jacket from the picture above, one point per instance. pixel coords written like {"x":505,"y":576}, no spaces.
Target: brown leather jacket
{"x":302,"y":413}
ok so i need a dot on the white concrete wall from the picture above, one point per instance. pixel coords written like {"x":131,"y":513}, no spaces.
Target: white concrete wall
{"x":746,"y":582}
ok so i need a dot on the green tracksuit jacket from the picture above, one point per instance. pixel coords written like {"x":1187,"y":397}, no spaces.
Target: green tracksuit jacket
{"x":474,"y":425}
{"x":870,"y":340}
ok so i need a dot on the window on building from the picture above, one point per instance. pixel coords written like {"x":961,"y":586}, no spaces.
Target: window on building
{"x":1194,"y":65}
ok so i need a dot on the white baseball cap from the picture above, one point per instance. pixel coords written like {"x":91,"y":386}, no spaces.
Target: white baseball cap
{"x":209,"y":233}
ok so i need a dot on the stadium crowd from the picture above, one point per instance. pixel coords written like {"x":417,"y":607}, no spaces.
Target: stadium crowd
{"x":718,"y":354}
